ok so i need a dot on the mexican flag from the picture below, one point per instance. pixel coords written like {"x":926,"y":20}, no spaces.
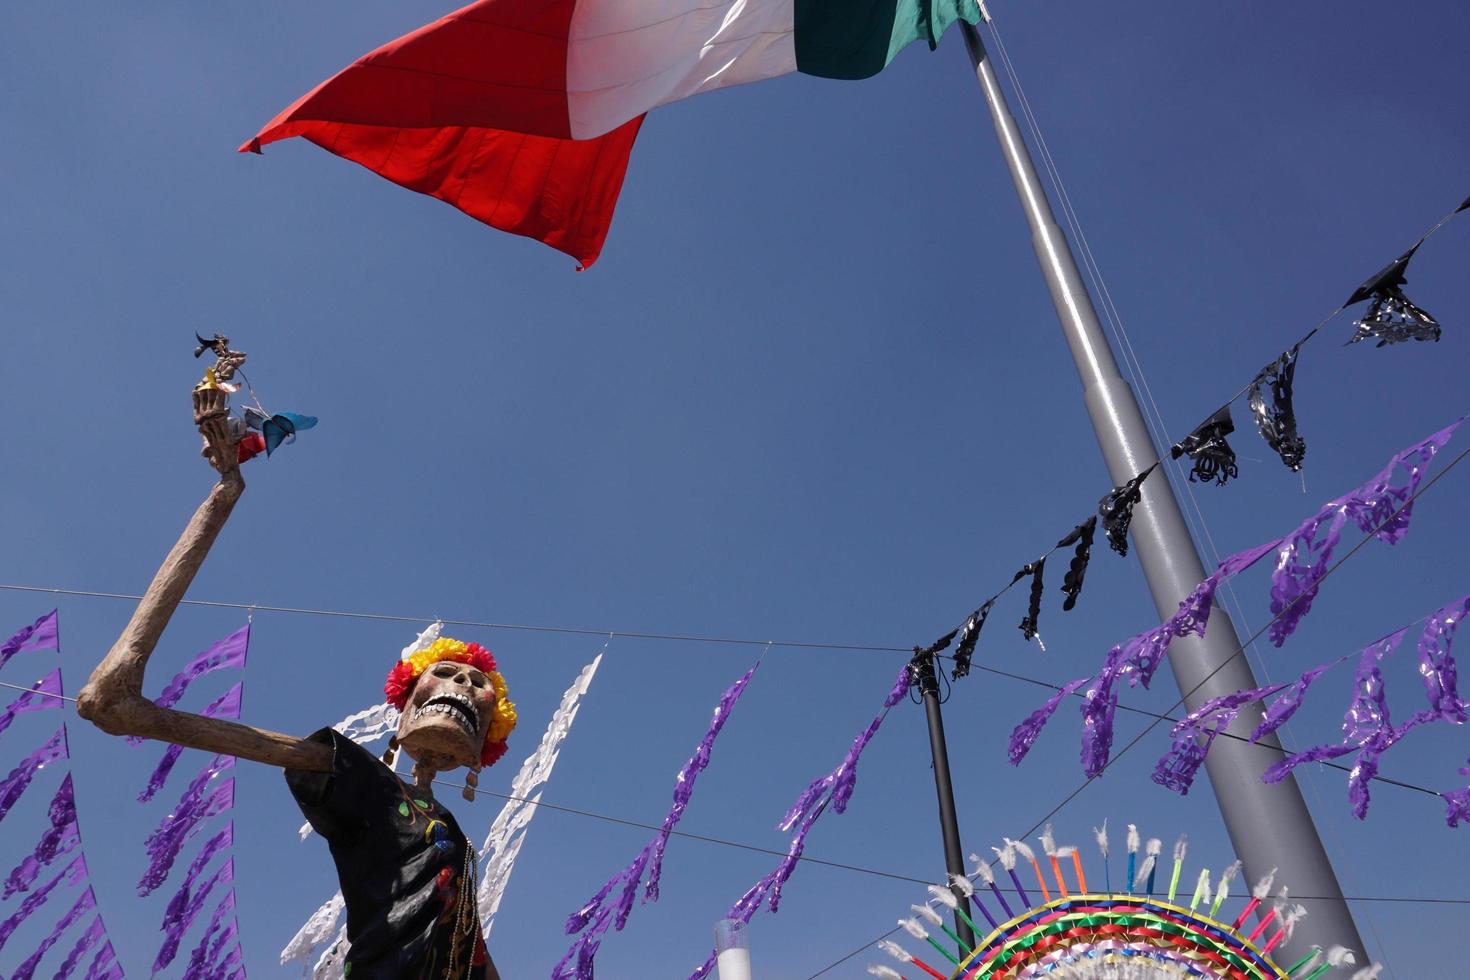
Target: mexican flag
{"x":522,"y":113}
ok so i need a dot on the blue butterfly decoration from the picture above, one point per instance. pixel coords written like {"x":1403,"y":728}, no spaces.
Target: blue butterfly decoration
{"x":278,"y":428}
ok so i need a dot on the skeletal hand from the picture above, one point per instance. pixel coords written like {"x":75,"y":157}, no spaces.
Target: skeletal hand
{"x":212,"y":415}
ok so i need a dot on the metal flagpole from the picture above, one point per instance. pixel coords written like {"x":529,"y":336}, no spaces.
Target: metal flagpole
{"x":954,"y":855}
{"x":1269,"y":826}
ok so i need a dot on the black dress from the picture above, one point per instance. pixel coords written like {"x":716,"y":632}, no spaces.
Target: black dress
{"x":407,"y":871}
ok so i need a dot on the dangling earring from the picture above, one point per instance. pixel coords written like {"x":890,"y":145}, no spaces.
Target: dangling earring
{"x":391,"y":755}
{"x":471,"y":780}
{"x":423,"y":776}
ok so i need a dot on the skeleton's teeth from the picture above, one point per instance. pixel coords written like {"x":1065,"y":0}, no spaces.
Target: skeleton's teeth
{"x":456,"y":706}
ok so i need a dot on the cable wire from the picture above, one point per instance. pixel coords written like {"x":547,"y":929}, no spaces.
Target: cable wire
{"x":523,"y":627}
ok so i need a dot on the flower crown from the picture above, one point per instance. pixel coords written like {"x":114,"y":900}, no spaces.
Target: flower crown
{"x":407,"y":671}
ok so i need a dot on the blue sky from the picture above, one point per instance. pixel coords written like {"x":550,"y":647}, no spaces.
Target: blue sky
{"x":813,"y":390}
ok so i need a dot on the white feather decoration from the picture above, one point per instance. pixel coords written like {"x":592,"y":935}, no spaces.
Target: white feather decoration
{"x":1048,"y":841}
{"x":965,"y":885}
{"x":1132,"y":838}
{"x":894,"y":950}
{"x":928,"y":914}
{"x":1293,"y":915}
{"x":1022,"y":848}
{"x":1263,"y":887}
{"x":1226,"y":877}
{"x":944,"y":897}
{"x":1201,"y":888}
{"x":1065,"y":852}
{"x":1369,"y":972}
{"x":1341,"y":956}
{"x":1181,"y":848}
{"x":1101,"y":834}
{"x":912,"y":927}
{"x":1144,"y":867}
{"x":886,"y":972}
{"x":1006,"y":855}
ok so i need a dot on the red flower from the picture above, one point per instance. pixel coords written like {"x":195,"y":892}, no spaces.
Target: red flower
{"x":399,"y":683}
{"x":491,"y":753}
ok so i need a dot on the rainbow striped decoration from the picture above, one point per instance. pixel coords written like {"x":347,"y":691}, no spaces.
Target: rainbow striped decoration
{"x":1073,"y":933}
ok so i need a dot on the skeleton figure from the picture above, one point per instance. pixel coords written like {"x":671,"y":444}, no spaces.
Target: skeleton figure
{"x":406,"y":869}
{"x":227,"y":361}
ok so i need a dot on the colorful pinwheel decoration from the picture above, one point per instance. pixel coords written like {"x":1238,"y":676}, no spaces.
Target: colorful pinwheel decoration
{"x":1132,"y":933}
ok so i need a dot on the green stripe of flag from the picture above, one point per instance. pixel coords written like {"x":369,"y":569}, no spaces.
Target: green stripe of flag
{"x":858,"y":38}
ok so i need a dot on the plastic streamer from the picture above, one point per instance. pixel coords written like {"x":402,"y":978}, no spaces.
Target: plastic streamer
{"x":230,"y":967}
{"x":175,"y":927}
{"x":333,"y":961}
{"x":1368,"y":728}
{"x":62,"y":837}
{"x":1392,"y":317}
{"x":1024,"y":735}
{"x":214,"y":966}
{"x":1380,"y":507}
{"x":224,"y":654}
{"x":199,"y":959}
{"x":836,"y":789}
{"x":87,"y":903}
{"x":503,"y":843}
{"x":14,"y":785}
{"x":595,"y":916}
{"x":1099,"y":706}
{"x":104,"y":965}
{"x":40,"y":635}
{"x":43,"y":695}
{"x":94,"y":934}
{"x":1033,"y":611}
{"x":317,"y":929}
{"x":969,"y":636}
{"x":1195,"y":733}
{"x":1280,"y":711}
{"x":1136,"y":659}
{"x":227,"y":705}
{"x":73,"y":873}
{"x":1437,"y":664}
{"x":370,"y":724}
{"x":1213,"y":458}
{"x":1116,"y":510}
{"x":1457,"y":806}
{"x":1081,"y":536}
{"x":1277,"y":421}
{"x":181,"y":898}
{"x":186,"y":820}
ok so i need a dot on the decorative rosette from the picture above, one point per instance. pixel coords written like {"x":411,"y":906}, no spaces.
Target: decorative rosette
{"x":1147,"y":929}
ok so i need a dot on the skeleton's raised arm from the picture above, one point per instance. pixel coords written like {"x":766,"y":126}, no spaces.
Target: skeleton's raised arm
{"x":113,"y":698}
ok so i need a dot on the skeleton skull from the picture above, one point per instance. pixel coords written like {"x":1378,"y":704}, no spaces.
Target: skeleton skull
{"x":447,"y":716}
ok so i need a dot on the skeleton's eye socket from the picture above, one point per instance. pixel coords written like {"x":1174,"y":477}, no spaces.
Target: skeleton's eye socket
{"x":445,"y":670}
{"x":478,"y":679}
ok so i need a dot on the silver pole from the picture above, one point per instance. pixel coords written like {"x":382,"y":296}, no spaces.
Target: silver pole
{"x":1269,"y":826}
